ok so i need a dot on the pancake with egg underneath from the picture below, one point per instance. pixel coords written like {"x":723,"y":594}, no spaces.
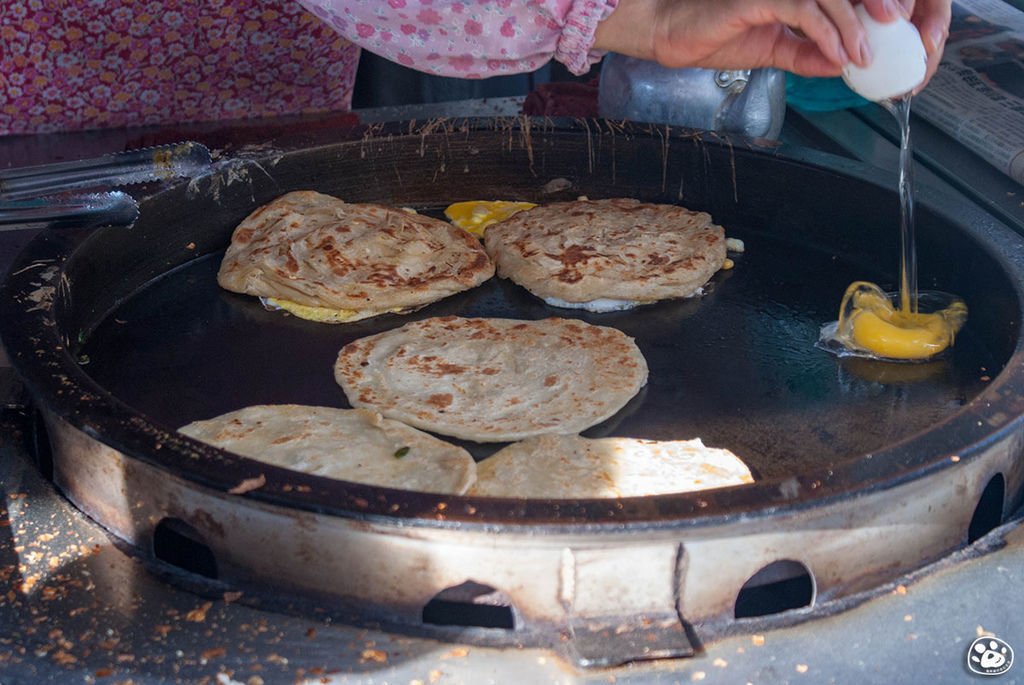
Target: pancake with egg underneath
{"x":347,"y":444}
{"x":332,"y":261}
{"x":493,"y":380}
{"x":574,"y":467}
{"x":607,"y":255}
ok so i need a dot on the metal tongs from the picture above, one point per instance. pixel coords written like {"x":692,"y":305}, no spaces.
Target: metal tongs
{"x":46,"y":194}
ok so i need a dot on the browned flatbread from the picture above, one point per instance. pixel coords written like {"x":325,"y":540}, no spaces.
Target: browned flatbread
{"x":318,"y":251}
{"x":493,"y":380}
{"x":573,"y":467}
{"x":617,"y":249}
{"x":347,"y":444}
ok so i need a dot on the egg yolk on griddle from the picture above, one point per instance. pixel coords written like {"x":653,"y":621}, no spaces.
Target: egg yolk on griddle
{"x":869,"y":322}
{"x":474,"y":216}
{"x":319,"y":314}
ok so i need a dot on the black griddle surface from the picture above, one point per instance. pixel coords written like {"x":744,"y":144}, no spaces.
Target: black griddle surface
{"x":737,"y":367}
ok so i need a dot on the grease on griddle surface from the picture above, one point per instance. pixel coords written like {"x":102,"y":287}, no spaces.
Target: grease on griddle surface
{"x":737,"y":367}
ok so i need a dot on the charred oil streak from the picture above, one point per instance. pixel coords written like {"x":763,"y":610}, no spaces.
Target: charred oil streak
{"x":427,"y":131}
{"x":226,"y":174}
{"x":40,"y":264}
{"x":664,"y":134}
{"x":43,"y":296}
{"x":369,"y":139}
{"x":732,"y":169}
{"x":614,"y":160}
{"x":527,"y":141}
{"x":585,"y":124}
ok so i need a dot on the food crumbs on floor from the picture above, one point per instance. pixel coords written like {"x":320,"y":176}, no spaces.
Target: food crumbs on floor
{"x":698,"y":675}
{"x":214,"y":653}
{"x":374,"y":655}
{"x":908,"y":618}
{"x":198,"y":615}
{"x":720,"y":662}
{"x":758,"y":640}
{"x":801,"y":668}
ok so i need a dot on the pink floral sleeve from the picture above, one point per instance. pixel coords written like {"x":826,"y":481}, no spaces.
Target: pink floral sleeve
{"x":471,"y":38}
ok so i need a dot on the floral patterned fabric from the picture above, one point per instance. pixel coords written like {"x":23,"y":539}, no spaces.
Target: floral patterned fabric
{"x":67,"y":64}
{"x":75,"y":64}
{"x":471,"y":38}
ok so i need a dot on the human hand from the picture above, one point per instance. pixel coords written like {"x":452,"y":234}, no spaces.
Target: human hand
{"x":806,"y":37}
{"x":931,"y":17}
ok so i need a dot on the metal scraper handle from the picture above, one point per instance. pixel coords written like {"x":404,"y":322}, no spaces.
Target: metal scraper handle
{"x":92,"y":210}
{"x":161,"y":163}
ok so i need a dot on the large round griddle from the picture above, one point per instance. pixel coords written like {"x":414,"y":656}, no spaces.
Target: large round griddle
{"x":123,"y":335}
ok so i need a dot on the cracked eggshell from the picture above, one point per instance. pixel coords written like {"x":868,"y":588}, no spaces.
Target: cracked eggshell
{"x":899,"y":60}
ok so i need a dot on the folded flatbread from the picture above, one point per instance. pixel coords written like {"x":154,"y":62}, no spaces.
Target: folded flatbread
{"x":574,"y":467}
{"x":347,"y":444}
{"x":605,"y":255}
{"x":493,"y":380}
{"x":317,"y":252}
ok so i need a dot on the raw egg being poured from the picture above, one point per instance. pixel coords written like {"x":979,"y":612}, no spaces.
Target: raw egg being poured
{"x":871,"y":325}
{"x":908,"y":325}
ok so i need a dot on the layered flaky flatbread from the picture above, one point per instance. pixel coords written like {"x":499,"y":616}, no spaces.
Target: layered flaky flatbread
{"x":493,"y":380}
{"x":574,"y":467}
{"x":330,"y":260}
{"x":605,"y":255}
{"x":347,"y":444}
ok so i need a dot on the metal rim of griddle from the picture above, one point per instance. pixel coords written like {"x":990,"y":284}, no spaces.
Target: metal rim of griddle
{"x":43,"y":356}
{"x":606,"y":581}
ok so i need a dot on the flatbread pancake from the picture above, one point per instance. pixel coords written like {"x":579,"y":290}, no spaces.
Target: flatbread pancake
{"x":493,"y":380}
{"x":347,"y":444}
{"x":605,"y":255}
{"x":574,"y":467}
{"x":316,"y":251}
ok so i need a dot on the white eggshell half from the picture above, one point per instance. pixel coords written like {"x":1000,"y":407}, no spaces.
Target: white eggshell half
{"x":899,"y":61}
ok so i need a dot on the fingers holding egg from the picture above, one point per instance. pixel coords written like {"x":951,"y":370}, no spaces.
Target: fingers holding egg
{"x":932,"y":19}
{"x":899,"y":62}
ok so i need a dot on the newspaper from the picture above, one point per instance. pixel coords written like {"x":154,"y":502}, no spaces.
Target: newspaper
{"x":977,"y":95}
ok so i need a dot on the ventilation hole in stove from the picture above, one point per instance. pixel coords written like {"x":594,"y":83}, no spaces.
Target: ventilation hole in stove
{"x":779,"y":586}
{"x":989,"y":512}
{"x":177,"y":543}
{"x":471,"y":605}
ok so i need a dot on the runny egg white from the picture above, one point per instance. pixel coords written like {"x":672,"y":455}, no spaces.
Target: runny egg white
{"x":598,"y":306}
